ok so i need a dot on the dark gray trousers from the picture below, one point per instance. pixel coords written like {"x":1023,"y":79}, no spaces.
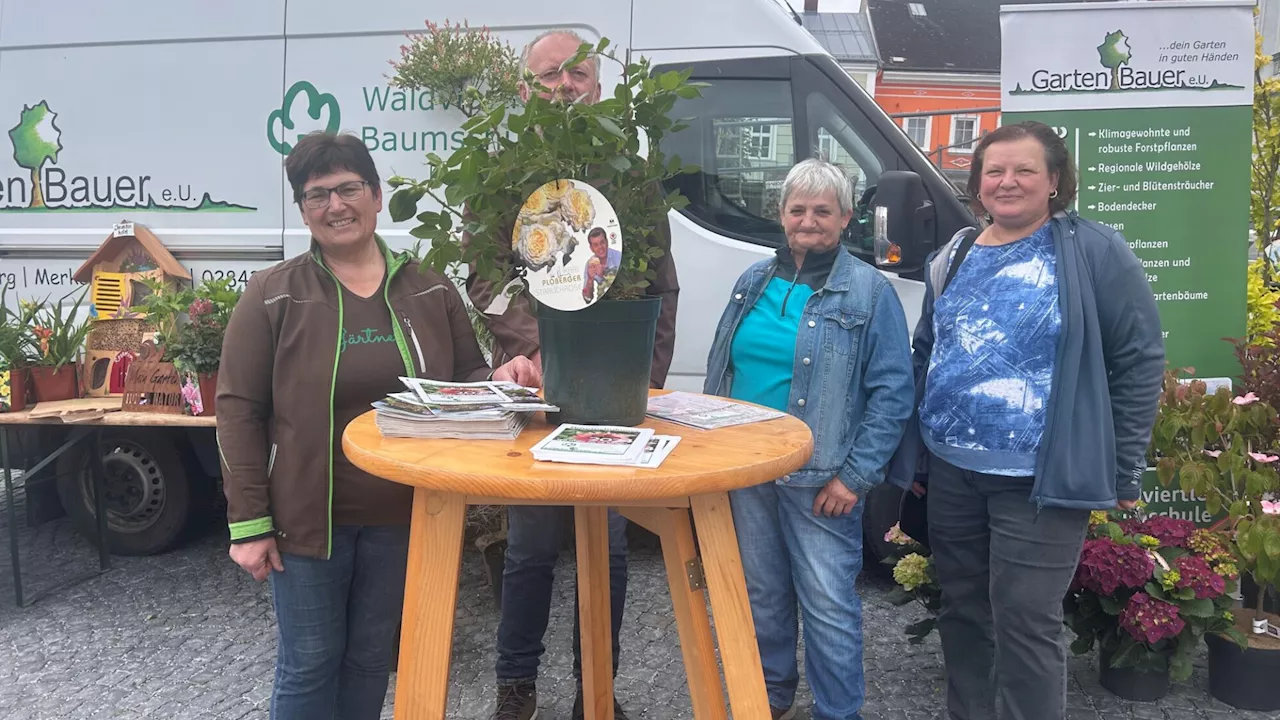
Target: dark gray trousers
{"x":1004,"y":568}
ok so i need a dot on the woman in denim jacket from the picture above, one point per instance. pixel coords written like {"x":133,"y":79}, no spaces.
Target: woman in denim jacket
{"x":819,"y":334}
{"x":1039,"y":360}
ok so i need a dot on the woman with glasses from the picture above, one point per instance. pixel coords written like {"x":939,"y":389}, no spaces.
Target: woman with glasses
{"x":313,"y":341}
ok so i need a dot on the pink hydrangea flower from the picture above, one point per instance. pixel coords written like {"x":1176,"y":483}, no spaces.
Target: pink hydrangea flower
{"x":1149,"y":620}
{"x":1271,"y":507}
{"x":1246,"y":399}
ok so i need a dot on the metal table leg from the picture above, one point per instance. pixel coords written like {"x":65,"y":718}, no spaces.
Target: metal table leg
{"x":99,"y":501}
{"x":13,"y":515}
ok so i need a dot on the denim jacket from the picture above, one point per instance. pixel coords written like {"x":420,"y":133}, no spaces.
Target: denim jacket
{"x":851,"y":380}
{"x":1106,"y":378}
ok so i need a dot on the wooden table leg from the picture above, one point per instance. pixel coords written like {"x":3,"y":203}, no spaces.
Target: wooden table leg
{"x":593,"y":601}
{"x":689,"y":600}
{"x":735,"y":629}
{"x":430,"y":600}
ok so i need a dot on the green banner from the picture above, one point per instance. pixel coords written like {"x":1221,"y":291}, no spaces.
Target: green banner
{"x":1155,"y":102}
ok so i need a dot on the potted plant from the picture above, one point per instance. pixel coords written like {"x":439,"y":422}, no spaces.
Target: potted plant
{"x":1146,"y":591}
{"x":59,"y":340}
{"x":503,"y":158}
{"x":195,"y":347}
{"x":17,"y":351}
{"x":1223,"y":448}
{"x":917,"y":581}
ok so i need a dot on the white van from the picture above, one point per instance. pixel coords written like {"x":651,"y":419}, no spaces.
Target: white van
{"x":177,"y":115}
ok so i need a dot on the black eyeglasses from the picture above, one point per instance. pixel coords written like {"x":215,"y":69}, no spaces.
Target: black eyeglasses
{"x":318,"y":197}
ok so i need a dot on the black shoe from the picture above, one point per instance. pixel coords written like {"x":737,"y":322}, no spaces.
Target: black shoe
{"x":579,"y":713}
{"x":517,"y":702}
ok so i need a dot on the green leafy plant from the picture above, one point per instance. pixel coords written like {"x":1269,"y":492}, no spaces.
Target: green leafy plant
{"x":17,"y":343}
{"x":462,"y":67}
{"x":917,"y":581}
{"x":58,"y":335}
{"x":196,"y":345}
{"x":1148,"y":589}
{"x":506,"y":155}
{"x":1222,"y":448}
{"x":1264,"y":183}
{"x":164,"y":305}
{"x":1260,"y":303}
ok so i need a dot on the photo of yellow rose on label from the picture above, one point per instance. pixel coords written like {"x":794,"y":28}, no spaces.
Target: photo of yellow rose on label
{"x":568,"y":238}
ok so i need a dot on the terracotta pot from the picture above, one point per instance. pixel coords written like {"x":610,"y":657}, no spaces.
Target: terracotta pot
{"x":208,"y":391}
{"x":19,"y":387}
{"x":55,"y":383}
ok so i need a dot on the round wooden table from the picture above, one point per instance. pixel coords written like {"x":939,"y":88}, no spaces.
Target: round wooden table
{"x":448,"y":475}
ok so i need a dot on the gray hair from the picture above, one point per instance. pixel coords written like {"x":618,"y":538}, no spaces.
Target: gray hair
{"x":591,"y":61}
{"x":814,"y":177}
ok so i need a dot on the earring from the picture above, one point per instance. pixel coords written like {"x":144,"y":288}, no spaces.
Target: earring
{"x":979,"y":197}
{"x":1053,"y":194}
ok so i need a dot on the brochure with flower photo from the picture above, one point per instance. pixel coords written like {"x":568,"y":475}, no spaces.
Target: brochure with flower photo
{"x":657,"y":450}
{"x":569,"y":240}
{"x":597,"y":444}
{"x":447,"y":394}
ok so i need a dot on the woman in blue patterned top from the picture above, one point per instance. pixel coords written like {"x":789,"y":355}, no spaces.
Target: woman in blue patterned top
{"x":816,"y":333}
{"x":1038,"y":361}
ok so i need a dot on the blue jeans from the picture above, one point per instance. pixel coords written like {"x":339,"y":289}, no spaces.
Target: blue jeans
{"x":790,"y":555}
{"x":534,"y":537}
{"x":337,"y":621}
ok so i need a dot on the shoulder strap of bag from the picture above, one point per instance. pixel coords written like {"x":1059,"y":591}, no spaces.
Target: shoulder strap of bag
{"x":961,"y":250}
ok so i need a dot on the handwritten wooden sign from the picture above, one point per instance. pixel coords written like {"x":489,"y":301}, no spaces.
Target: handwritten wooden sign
{"x":152,"y":386}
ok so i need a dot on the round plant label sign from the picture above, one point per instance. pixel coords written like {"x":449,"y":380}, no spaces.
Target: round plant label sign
{"x":568,"y":238}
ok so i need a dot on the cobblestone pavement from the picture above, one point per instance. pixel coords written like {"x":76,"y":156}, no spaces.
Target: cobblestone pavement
{"x":188,"y":635}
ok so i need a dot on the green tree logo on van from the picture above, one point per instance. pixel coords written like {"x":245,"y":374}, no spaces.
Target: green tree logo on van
{"x":317,"y":104}
{"x":53,"y":187}
{"x":1114,"y":52}
{"x":36,"y":140}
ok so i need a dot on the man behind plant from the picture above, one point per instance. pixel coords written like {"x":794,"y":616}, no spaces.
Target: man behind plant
{"x":535,"y":532}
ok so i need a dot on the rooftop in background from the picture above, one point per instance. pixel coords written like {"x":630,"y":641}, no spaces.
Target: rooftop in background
{"x":847,"y":36}
{"x":960,"y":36}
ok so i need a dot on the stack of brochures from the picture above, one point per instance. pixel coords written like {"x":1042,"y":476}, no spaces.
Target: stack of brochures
{"x":605,"y":445}
{"x":706,"y":413}
{"x":476,"y":411}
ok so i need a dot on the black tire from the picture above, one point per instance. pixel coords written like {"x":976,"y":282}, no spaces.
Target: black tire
{"x":148,"y":492}
{"x":878,"y":516}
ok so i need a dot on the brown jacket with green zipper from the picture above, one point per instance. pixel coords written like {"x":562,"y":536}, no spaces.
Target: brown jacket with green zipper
{"x":275,"y":388}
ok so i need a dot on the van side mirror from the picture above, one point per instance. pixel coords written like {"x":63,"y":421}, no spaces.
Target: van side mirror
{"x":902,"y":221}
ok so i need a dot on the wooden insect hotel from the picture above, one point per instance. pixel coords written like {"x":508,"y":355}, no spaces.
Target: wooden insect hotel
{"x":116,"y":273}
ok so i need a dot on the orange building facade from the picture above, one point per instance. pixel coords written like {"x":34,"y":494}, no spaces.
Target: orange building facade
{"x":948,"y":137}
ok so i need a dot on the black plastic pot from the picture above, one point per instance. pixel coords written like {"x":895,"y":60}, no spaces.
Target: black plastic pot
{"x":1244,"y":679}
{"x":596,"y":361}
{"x":1131,"y":683}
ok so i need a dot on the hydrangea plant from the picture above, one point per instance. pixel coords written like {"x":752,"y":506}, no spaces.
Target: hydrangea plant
{"x":1147,"y":589}
{"x":1223,"y":449}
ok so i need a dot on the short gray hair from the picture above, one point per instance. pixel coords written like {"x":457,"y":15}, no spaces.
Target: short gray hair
{"x":815,"y":177}
{"x":592,"y":61}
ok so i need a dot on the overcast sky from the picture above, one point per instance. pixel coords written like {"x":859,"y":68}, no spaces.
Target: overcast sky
{"x":829,"y":5}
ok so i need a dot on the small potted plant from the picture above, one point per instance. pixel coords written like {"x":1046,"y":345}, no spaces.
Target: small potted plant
{"x":503,"y":158}
{"x":917,"y":581}
{"x":1223,"y":449}
{"x":59,"y":339}
{"x":195,"y":347}
{"x":1146,"y":591}
{"x":17,"y":351}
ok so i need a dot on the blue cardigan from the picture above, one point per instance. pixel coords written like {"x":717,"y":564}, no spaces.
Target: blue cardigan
{"x":1106,"y":380}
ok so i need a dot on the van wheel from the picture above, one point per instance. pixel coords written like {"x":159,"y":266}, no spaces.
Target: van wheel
{"x":879,"y":515}
{"x":148,"y":495}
